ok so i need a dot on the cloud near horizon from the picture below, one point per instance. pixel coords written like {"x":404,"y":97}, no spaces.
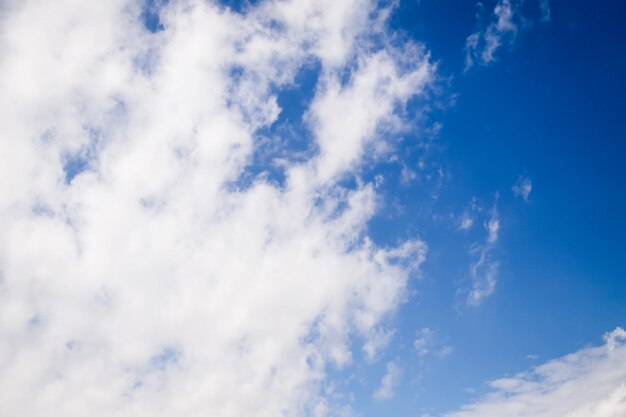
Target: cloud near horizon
{"x":139,"y":275}
{"x":588,"y":383}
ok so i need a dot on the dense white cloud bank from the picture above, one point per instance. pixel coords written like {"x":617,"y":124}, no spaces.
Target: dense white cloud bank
{"x":588,"y":383}
{"x":138,"y":277}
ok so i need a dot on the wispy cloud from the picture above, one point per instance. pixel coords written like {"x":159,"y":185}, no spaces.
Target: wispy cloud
{"x":497,"y":29}
{"x":522,"y":187}
{"x":493,"y":226}
{"x":427,"y":344}
{"x":481,"y":46}
{"x":467,"y":219}
{"x":378,"y":340}
{"x":466,"y":222}
{"x":588,"y":383}
{"x":424,"y":341}
{"x":389,"y":382}
{"x":546,"y":13}
{"x":484,"y":269}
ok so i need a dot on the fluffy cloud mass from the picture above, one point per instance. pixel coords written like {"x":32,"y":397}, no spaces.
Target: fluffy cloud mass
{"x":145,"y":267}
{"x":587,"y":383}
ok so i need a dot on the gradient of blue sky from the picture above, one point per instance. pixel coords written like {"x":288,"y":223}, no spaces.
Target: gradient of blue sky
{"x":551,"y":107}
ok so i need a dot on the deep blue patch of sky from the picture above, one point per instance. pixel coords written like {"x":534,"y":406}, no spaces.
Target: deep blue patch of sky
{"x":288,"y":139}
{"x":151,"y":15}
{"x":552,"y":107}
{"x":74,"y":165}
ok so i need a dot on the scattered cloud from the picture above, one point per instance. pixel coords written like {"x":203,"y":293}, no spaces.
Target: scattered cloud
{"x":389,"y":382}
{"x":466,"y":222}
{"x":423,"y":342}
{"x":493,"y":226}
{"x":481,"y":46}
{"x":140,"y":274}
{"x":497,"y":29}
{"x":484,"y":269}
{"x":377,"y":342}
{"x":467,"y":219}
{"x":427,"y":344}
{"x":522,"y":187}
{"x":407,"y":174}
{"x":588,"y":383}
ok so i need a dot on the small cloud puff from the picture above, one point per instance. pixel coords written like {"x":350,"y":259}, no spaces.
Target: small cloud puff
{"x":426,"y":344}
{"x":423,"y":342}
{"x":466,"y":222}
{"x":389,"y":382}
{"x":493,"y":226}
{"x":484,"y":269}
{"x":522,"y":187}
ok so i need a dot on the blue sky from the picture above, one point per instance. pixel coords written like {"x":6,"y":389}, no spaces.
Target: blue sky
{"x":550,"y":108}
{"x":313,"y":208}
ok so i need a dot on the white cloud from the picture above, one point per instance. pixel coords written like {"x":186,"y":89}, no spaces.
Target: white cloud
{"x":467,"y":219}
{"x":466,"y":222}
{"x":588,"y":383}
{"x":426,"y":343}
{"x":389,"y":382}
{"x":614,"y":339}
{"x":522,"y":187}
{"x":502,"y":28}
{"x":481,"y":46}
{"x":345,"y":131}
{"x":152,"y":282}
{"x":493,"y":226}
{"x":378,"y":340}
{"x":484,"y":269}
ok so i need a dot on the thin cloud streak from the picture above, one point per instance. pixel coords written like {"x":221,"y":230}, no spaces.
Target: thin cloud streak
{"x":588,"y":383}
{"x":498,"y":29}
{"x":484,"y":269}
{"x":522,"y":187}
{"x":389,"y":382}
